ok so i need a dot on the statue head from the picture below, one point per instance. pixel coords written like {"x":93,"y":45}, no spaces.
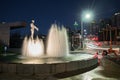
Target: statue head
{"x":33,"y":21}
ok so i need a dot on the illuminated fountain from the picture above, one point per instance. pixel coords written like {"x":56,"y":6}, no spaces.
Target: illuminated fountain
{"x":57,"y":45}
{"x":37,"y":63}
{"x":32,"y":47}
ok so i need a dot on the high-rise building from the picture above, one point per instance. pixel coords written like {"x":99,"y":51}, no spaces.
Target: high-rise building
{"x":110,"y":29}
{"x":94,"y":28}
{"x":116,"y":20}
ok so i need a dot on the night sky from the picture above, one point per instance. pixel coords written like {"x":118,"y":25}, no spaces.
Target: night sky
{"x":46,"y":12}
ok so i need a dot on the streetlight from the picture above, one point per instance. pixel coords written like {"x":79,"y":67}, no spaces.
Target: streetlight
{"x":86,"y":17}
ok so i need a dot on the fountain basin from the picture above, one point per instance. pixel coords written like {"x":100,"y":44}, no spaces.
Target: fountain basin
{"x":49,"y":66}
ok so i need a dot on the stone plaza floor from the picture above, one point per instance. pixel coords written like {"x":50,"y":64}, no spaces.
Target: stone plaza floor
{"x":107,"y":70}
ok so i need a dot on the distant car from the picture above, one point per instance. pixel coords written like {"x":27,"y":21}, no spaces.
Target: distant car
{"x":104,"y":52}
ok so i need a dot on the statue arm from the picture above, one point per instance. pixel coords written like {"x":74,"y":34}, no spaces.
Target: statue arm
{"x":36,"y":28}
{"x":33,"y":26}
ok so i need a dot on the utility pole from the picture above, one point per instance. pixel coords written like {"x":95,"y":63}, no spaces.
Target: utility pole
{"x":110,"y":38}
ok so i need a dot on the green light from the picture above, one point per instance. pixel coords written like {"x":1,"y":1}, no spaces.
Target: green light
{"x":75,"y":24}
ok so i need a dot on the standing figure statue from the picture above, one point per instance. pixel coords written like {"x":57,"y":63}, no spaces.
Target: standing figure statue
{"x":33,"y":27}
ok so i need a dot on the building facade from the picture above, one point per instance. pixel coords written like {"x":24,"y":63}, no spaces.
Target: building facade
{"x":116,"y":20}
{"x":5,"y":31}
{"x":110,"y":29}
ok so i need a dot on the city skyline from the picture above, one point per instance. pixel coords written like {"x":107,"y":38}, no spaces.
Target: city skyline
{"x":62,"y":12}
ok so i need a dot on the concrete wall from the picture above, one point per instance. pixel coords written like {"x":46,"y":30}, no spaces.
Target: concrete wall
{"x":5,"y":34}
{"x":32,"y":70}
{"x":5,"y":30}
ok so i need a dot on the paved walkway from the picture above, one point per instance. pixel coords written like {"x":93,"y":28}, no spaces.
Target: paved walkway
{"x":107,"y":70}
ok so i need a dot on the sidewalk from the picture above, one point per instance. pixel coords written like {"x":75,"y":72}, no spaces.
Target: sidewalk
{"x":108,"y":70}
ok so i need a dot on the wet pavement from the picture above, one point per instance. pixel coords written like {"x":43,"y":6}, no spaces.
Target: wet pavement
{"x":107,"y":70}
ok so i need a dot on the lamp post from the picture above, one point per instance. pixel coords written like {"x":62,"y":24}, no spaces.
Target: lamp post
{"x":81,"y":34}
{"x":86,"y":16}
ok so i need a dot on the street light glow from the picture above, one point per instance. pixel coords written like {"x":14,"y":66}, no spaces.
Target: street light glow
{"x":87,"y":16}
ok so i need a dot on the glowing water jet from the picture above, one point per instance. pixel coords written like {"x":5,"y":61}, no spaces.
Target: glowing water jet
{"x":57,"y":45}
{"x":33,"y":48}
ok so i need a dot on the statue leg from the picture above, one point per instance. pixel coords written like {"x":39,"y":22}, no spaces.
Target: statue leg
{"x":32,"y":34}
